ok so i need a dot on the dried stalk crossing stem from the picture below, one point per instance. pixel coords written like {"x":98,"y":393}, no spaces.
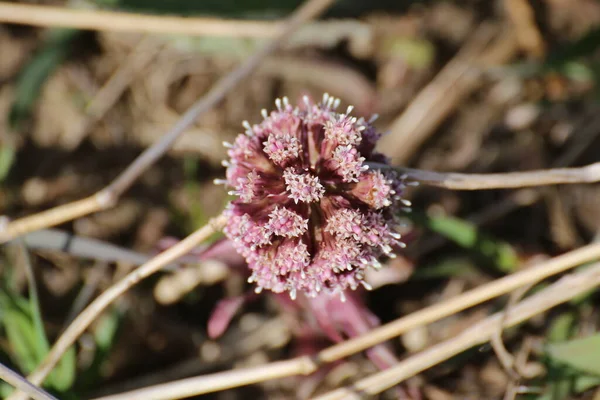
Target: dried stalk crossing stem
{"x":562,"y":291}
{"x":91,"y":312}
{"x":51,"y":16}
{"x":449,"y":180}
{"x":17,"y":381}
{"x":456,"y":181}
{"x":306,"y":365}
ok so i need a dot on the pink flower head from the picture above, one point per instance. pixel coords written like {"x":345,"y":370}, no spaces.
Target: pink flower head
{"x":310,"y":215}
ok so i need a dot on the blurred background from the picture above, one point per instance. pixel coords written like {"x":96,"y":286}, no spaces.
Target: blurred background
{"x":472,"y":86}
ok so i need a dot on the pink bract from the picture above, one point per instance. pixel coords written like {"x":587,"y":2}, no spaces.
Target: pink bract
{"x":311,"y":215}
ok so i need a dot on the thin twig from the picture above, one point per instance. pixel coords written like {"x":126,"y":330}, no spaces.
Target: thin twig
{"x":49,"y":16}
{"x":506,"y":359}
{"x":108,"y":196}
{"x":466,"y":300}
{"x":511,"y":180}
{"x":564,"y":290}
{"x":527,"y":371}
{"x":454,"y":181}
{"x":54,"y":216}
{"x":234,"y":378}
{"x":318,"y":33}
{"x":17,"y":381}
{"x":91,"y":312}
{"x":78,"y":246}
{"x":450,"y":87}
{"x":86,"y":293}
{"x":587,"y":130}
{"x":84,"y":247}
{"x":325,"y":34}
{"x":306,"y":365}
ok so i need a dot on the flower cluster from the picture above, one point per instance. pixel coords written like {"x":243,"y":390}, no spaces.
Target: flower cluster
{"x":310,"y":214}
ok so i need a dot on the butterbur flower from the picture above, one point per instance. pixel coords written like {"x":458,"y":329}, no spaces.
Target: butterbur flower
{"x":311,"y":215}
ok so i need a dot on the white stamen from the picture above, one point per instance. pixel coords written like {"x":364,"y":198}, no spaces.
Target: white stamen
{"x":306,"y":101}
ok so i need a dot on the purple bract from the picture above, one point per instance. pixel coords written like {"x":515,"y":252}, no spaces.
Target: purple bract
{"x":310,"y":214}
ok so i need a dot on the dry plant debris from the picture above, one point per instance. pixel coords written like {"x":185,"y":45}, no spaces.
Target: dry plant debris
{"x":471,"y":96}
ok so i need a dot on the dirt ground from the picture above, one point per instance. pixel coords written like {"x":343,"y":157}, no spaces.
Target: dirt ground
{"x":471,"y":86}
